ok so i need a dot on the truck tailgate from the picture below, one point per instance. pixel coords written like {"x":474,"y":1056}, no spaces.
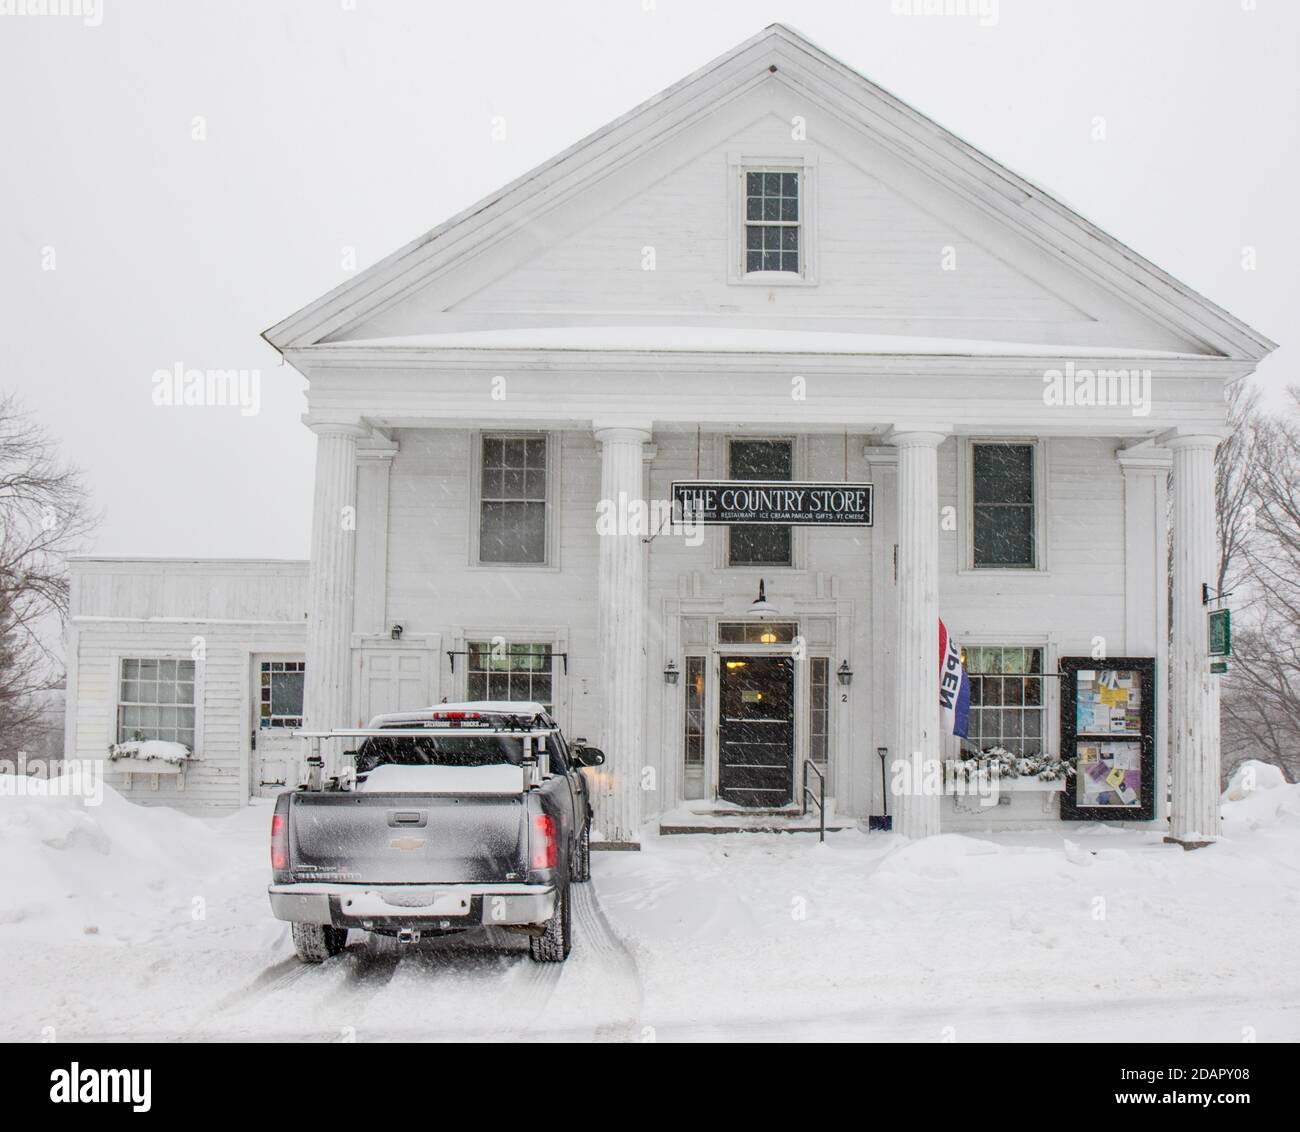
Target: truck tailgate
{"x":376,"y":838}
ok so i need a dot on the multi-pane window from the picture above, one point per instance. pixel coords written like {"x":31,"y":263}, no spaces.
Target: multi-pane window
{"x":1002,"y":479}
{"x":819,"y":709}
{"x":156,"y":701}
{"x":500,"y":670}
{"x":281,"y":693}
{"x":694,"y":725}
{"x":757,"y":632}
{"x":1006,"y":699}
{"x":772,"y":221}
{"x":755,"y":544}
{"x":512,"y":500}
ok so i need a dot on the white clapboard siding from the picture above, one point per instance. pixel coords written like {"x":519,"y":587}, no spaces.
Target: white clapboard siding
{"x":138,"y":607}
{"x":434,"y":589}
{"x":223,"y":611}
{"x":1080,"y":594}
{"x":895,"y":252}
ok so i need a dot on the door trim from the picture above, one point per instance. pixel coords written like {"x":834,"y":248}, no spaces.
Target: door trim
{"x":252,"y":657}
{"x":690,"y":628}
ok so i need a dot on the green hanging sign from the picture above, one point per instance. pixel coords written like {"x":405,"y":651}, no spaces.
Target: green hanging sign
{"x":1221,"y":632}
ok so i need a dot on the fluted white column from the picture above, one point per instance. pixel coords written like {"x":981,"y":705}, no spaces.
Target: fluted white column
{"x":621,"y":593}
{"x":330,"y":579}
{"x":1194,"y":813}
{"x":1146,"y":572}
{"x":916,"y":799}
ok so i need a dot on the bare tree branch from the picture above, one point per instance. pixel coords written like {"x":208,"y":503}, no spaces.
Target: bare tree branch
{"x":44,"y":516}
{"x":1259,"y":480}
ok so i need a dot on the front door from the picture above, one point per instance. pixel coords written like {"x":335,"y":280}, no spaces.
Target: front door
{"x":277,"y":712}
{"x":391,"y":679}
{"x":756,"y":730}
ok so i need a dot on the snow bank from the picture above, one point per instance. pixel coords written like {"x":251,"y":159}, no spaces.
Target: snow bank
{"x":942,"y":857}
{"x":110,"y":870}
{"x":500,"y":779}
{"x":1250,"y":776}
{"x":1258,"y":796}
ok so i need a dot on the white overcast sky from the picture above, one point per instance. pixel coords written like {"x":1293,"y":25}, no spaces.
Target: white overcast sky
{"x":331,"y":127}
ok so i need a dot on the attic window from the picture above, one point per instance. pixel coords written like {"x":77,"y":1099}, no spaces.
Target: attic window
{"x":773,"y":218}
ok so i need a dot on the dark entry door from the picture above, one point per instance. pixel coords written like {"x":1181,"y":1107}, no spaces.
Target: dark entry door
{"x":756,"y":733}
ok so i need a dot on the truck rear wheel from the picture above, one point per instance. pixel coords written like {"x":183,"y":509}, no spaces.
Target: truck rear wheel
{"x":317,"y":942}
{"x":553,"y":947}
{"x":582,"y":855}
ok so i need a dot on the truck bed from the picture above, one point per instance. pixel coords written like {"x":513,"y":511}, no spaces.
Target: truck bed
{"x":405,"y":838}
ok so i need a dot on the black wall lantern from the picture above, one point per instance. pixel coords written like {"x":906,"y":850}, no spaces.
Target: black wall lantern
{"x":845,"y":673}
{"x":396,"y":632}
{"x":670,"y":673}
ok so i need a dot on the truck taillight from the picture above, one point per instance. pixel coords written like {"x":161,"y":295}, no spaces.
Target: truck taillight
{"x":279,"y":842}
{"x":546,"y":845}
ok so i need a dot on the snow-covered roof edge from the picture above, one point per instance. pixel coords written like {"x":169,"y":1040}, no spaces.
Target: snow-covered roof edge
{"x":708,"y":339}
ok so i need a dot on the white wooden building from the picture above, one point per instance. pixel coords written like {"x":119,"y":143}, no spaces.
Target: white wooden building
{"x":773,"y":270}
{"x":176,"y":649}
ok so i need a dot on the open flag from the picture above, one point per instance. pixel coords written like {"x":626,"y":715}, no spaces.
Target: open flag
{"x":954,"y":684}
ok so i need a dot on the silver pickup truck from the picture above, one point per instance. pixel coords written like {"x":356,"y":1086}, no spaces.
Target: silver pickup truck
{"x":457,"y":817}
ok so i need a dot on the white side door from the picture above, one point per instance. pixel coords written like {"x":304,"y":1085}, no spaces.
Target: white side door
{"x":392,"y":679}
{"x":276,"y":702}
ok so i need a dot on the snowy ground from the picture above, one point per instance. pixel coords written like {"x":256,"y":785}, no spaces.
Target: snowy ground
{"x":117,"y":922}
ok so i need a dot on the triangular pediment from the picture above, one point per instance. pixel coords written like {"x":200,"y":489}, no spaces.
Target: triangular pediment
{"x":909,"y":233}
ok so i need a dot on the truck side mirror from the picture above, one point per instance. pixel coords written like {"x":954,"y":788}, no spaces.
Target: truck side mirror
{"x":589,"y":756}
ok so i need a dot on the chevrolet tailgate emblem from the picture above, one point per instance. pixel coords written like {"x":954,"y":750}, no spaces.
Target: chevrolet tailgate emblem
{"x":407,"y":843}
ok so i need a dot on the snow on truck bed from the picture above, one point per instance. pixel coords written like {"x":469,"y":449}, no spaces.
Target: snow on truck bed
{"x":392,"y":779}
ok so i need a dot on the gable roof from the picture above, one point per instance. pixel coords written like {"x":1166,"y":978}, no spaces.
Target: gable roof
{"x":783,"y":53}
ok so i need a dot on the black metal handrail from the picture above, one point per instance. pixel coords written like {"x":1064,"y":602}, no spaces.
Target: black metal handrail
{"x":819,"y":801}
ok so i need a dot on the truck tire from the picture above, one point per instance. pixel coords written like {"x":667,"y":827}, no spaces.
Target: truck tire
{"x":553,"y":947}
{"x":582,"y":855}
{"x":317,"y":942}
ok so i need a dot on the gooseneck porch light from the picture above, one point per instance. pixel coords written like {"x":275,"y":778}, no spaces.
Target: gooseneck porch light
{"x":760,"y":607}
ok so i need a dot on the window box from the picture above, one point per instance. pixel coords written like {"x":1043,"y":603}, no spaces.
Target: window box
{"x":147,"y":766}
{"x":149,"y":756}
{"x":1032,"y":773}
{"x":1021,"y":783}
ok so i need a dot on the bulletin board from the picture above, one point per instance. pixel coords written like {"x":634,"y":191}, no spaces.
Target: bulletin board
{"x":1108,"y":727}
